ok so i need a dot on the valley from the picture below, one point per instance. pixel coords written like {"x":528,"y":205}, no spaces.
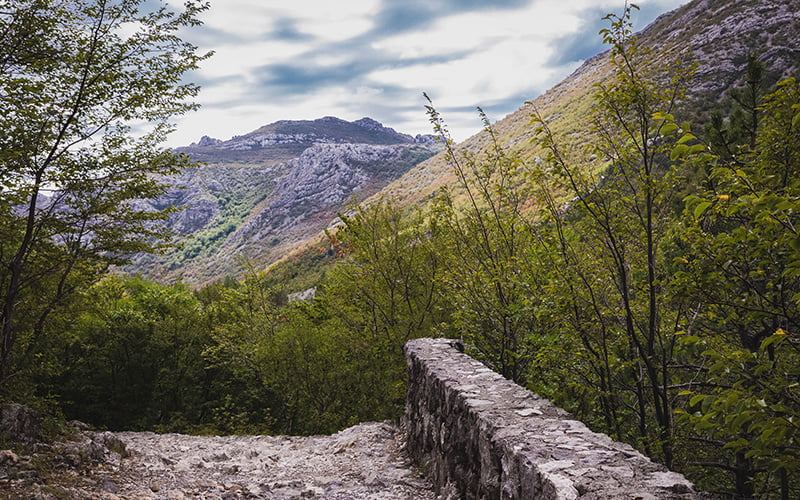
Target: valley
{"x":259,"y":196}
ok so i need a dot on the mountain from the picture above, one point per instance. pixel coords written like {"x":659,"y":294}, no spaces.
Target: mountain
{"x":258,"y":195}
{"x":286,"y":139}
{"x":264,"y":193}
{"x":716,"y":35}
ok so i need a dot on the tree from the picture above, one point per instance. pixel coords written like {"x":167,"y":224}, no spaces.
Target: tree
{"x":622,"y":191}
{"x":133,"y":357}
{"x":87,"y":89}
{"x":739,"y":278}
{"x":386,"y":285}
{"x":483,"y":244}
{"x":382,"y":290}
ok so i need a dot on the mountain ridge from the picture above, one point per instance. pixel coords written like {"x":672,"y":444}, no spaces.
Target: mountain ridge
{"x":303,"y":133}
{"x":713,"y":34}
{"x":259,"y":194}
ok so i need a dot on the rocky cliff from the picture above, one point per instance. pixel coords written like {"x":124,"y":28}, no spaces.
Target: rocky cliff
{"x":718,"y":35}
{"x":260,"y":194}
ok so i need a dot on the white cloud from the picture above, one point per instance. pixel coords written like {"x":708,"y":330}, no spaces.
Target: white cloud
{"x":242,"y":18}
{"x":241,"y":59}
{"x":507,"y":54}
{"x":482,"y":58}
{"x":322,"y":19}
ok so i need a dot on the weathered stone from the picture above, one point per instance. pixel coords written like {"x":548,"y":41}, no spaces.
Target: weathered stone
{"x":20,"y":424}
{"x":109,"y":486}
{"x":8,"y":457}
{"x":480,"y":436}
{"x":78,"y":425}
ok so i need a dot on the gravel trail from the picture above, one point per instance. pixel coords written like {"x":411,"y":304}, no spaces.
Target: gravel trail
{"x":361,"y":462}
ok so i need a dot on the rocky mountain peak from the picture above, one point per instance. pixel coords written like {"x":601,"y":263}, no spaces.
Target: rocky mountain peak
{"x":369,"y":123}
{"x":206,"y":141}
{"x":329,"y":130}
{"x":260,"y":193}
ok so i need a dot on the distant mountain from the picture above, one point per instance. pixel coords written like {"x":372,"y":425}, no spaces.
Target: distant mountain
{"x":260,"y":194}
{"x":286,"y":139}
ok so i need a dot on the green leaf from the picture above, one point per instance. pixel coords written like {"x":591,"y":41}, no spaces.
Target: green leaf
{"x":678,"y":151}
{"x":737,"y":444}
{"x":669,"y":128}
{"x":697,"y":398}
{"x":774,"y":338}
{"x":700,"y":208}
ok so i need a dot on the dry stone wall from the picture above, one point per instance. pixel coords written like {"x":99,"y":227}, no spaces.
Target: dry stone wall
{"x":480,"y":436}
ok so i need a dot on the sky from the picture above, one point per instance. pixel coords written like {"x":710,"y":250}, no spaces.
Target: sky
{"x":306,"y":59}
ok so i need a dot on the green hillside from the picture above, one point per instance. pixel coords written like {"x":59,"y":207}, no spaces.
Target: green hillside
{"x":716,"y":35}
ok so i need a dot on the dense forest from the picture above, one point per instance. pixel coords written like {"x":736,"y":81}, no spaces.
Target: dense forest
{"x":647,"y":281}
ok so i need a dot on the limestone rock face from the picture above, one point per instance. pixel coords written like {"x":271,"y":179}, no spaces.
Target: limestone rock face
{"x":323,"y":177}
{"x":719,"y":34}
{"x":260,"y":194}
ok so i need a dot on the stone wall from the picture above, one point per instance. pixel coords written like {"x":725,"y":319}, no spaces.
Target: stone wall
{"x":480,"y":436}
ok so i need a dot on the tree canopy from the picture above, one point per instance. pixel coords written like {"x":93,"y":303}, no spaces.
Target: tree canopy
{"x":87,"y":89}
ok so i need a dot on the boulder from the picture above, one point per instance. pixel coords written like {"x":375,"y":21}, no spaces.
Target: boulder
{"x":20,"y":424}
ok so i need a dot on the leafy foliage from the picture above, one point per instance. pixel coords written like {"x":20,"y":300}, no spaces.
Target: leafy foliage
{"x":639,"y":308}
{"x":612,"y":272}
{"x":739,"y":277}
{"x":481,"y":242}
{"x":138,"y":357}
{"x":76,"y":77}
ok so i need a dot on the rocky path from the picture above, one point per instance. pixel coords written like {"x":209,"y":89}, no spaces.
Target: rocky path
{"x":362,"y":462}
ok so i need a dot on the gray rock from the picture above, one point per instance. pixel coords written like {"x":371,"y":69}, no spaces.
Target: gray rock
{"x":20,"y":424}
{"x":109,"y":486}
{"x":483,"y":436}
